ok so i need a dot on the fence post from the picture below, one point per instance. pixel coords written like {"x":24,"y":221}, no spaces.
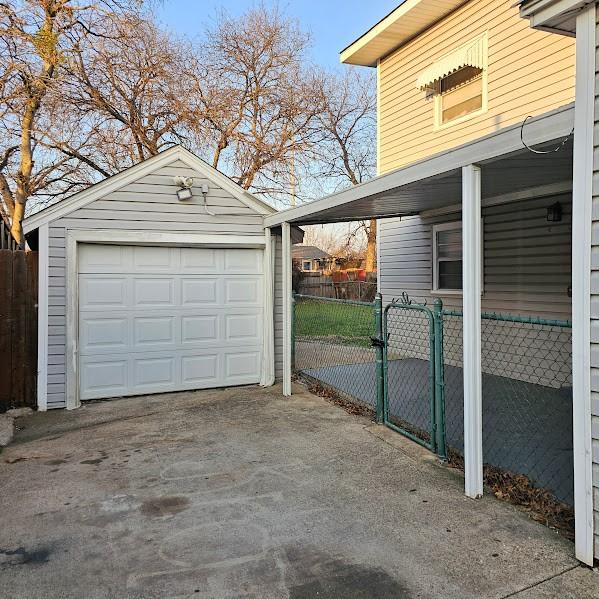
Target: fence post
{"x":439,"y":380}
{"x":293,"y":304}
{"x":380,"y":348}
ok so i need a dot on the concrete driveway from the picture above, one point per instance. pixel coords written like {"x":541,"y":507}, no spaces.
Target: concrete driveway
{"x":240,"y":493}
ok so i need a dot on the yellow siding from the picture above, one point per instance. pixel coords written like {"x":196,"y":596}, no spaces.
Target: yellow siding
{"x":529,"y":72}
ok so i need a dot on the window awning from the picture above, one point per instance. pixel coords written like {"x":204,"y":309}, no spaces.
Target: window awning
{"x":469,"y":55}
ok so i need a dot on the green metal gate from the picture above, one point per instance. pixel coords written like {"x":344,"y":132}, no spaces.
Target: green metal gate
{"x":413,"y":373}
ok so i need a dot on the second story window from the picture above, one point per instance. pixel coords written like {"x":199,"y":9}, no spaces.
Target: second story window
{"x":458,"y":82}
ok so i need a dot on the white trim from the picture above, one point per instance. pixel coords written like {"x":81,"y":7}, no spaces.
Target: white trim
{"x":112,"y":184}
{"x":113,"y":236}
{"x":548,"y":15}
{"x":42,"y":318}
{"x":268,"y":361}
{"x":471,"y":259}
{"x":488,"y":148}
{"x":582,"y":218}
{"x":378,"y":116}
{"x":287,"y":306}
{"x":455,"y":225}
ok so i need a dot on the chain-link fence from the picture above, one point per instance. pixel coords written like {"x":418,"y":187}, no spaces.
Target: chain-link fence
{"x":333,"y":345}
{"x":527,"y":397}
{"x":409,"y":371}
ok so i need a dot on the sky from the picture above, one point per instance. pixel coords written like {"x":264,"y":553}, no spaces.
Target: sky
{"x":334,"y":24}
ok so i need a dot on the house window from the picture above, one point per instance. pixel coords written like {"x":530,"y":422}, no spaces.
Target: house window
{"x":307,"y":265}
{"x":447,"y":257}
{"x":460,"y":94}
{"x":457,"y":82}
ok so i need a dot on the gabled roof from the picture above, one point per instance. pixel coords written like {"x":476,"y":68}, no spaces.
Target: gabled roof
{"x":308,"y":252}
{"x":406,"y":21}
{"x":116,"y":182}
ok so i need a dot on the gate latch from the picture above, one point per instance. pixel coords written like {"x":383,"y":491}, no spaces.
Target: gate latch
{"x":376,"y":342}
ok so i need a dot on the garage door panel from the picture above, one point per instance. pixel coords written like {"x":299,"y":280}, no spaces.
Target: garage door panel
{"x":243,"y":262}
{"x":154,"y":259}
{"x":196,"y":259}
{"x":112,"y":259}
{"x":154,"y":372}
{"x":168,"y":319}
{"x":154,"y":330}
{"x":242,"y":364}
{"x":103,"y":378}
{"x":106,"y":292}
{"x":200,"y":329}
{"x":243,"y":327}
{"x":242,"y":291}
{"x":202,"y":369}
{"x":150,"y":292}
{"x":199,"y":292}
{"x":103,"y":334}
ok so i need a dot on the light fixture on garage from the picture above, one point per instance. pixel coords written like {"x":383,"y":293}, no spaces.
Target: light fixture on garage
{"x":184,"y":191}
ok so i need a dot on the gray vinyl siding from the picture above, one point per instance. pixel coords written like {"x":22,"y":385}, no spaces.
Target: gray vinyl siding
{"x":527,"y":261}
{"x":595,"y":311}
{"x":148,"y":204}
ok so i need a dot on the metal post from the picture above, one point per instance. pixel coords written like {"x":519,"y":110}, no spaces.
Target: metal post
{"x":471,"y":284}
{"x":439,"y":380}
{"x":287,"y":290}
{"x":380,"y":348}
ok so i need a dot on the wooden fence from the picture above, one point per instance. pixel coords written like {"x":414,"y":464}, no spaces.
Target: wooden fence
{"x":18,"y":329}
{"x":322,"y":285}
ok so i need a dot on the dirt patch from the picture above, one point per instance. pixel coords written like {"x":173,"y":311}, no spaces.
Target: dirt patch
{"x":159,"y":507}
{"x":518,"y":489}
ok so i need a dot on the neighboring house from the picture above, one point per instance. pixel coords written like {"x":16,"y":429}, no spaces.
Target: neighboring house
{"x":476,"y":206}
{"x":160,"y":278}
{"x":310,"y":258}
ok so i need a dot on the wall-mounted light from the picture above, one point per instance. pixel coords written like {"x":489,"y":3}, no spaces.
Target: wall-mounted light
{"x":554,"y":213}
{"x":184,"y":191}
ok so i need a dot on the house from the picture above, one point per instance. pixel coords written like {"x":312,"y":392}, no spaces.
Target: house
{"x":485,"y":175}
{"x":159,"y":278}
{"x":310,"y":258}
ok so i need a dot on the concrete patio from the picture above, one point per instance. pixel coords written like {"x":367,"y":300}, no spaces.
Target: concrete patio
{"x":239,"y":493}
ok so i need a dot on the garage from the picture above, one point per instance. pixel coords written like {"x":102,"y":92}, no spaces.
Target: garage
{"x":157,"y":319}
{"x":160,"y":278}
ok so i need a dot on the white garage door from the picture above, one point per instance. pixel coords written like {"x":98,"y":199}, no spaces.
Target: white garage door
{"x":155,"y":319}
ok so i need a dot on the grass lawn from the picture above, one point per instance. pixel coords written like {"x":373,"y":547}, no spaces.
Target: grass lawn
{"x":344,"y":323}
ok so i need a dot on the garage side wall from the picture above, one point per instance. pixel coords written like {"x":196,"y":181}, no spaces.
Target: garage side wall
{"x":148,"y":204}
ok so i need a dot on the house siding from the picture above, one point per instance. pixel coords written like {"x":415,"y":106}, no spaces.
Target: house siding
{"x":148,"y":204}
{"x":529,"y":72}
{"x":526,"y":261}
{"x":595,"y":305}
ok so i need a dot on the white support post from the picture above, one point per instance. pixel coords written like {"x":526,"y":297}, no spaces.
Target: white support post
{"x":287,"y":307}
{"x":268,"y":360}
{"x":472,"y":286}
{"x":582,"y":217}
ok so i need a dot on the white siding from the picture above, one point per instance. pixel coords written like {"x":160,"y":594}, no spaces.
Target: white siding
{"x":595,"y":312}
{"x":527,"y":264}
{"x":148,"y":204}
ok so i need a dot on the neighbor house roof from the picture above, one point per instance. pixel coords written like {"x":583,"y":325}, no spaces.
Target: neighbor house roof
{"x":308,"y":252}
{"x":136,"y":171}
{"x":402,"y":24}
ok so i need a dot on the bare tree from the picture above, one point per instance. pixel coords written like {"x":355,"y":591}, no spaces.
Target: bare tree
{"x":36,"y":37}
{"x":257,"y":97}
{"x":346,"y":154}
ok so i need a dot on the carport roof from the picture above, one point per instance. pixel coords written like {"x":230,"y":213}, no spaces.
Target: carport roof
{"x":508,"y":167}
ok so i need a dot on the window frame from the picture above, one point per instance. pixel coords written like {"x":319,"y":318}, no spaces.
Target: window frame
{"x":452,"y":226}
{"x":304,"y":262}
{"x":438,"y":123}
